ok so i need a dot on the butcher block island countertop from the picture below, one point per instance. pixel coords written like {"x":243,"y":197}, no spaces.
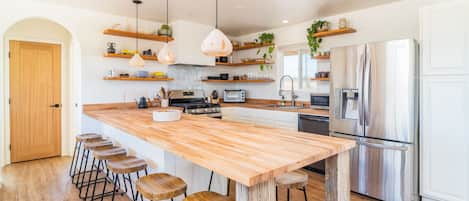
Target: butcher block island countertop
{"x":249,"y":154}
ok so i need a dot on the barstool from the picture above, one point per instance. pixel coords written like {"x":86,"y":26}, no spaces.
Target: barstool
{"x":87,"y":147}
{"x":207,"y":196}
{"x":292,"y":180}
{"x":79,"y":139}
{"x":228,"y":180}
{"x":126,"y":166}
{"x":161,"y":186}
{"x":102,"y":155}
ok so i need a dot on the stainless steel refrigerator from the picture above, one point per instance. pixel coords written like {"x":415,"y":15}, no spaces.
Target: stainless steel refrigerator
{"x":374,"y":102}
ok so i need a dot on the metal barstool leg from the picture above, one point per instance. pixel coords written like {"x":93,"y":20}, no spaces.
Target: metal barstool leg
{"x":125,"y":183}
{"x":104,"y":189}
{"x":79,"y":169}
{"x":96,"y":181}
{"x":84,"y":169}
{"x":210,"y":183}
{"x":304,"y":191}
{"x":115,"y":187}
{"x":89,"y":179}
{"x":131,"y":187}
{"x":288,"y":194}
{"x":73,"y":159}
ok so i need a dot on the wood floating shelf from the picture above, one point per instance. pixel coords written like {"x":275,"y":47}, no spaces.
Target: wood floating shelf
{"x":243,"y":63}
{"x":247,"y":47}
{"x":322,"y":57}
{"x":321,"y":78}
{"x":138,"y":78}
{"x":240,"y":81}
{"x":145,"y":36}
{"x":128,"y":56}
{"x":334,"y":32}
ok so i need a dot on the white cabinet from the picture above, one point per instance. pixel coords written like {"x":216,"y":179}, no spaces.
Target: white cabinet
{"x":444,"y":130}
{"x":445,"y":138}
{"x":445,"y":38}
{"x":277,"y":119}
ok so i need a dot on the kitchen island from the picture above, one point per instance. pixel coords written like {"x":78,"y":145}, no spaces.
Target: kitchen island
{"x":249,"y":154}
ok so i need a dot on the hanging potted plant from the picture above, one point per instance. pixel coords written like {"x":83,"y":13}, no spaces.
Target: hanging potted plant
{"x":313,"y":41}
{"x":266,"y":38}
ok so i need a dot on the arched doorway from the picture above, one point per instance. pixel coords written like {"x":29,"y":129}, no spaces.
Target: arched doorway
{"x":21,"y":112}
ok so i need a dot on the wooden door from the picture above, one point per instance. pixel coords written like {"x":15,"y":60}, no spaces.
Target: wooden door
{"x":35,"y":84}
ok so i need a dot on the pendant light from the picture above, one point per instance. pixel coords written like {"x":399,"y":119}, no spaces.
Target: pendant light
{"x":136,"y":60}
{"x":216,"y":43}
{"x":165,"y":55}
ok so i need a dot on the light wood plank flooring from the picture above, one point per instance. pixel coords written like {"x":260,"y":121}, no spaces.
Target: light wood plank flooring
{"x":48,"y":180}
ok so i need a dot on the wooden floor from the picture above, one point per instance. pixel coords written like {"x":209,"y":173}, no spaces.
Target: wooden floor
{"x":48,"y":180}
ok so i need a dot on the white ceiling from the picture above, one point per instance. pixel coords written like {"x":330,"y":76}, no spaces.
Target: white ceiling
{"x":236,"y":17}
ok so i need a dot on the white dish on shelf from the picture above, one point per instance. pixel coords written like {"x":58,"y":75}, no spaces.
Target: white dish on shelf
{"x":166,"y":115}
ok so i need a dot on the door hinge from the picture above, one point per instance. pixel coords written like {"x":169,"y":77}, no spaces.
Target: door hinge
{"x":10,"y":147}
{"x":9,"y":101}
{"x":9,"y":54}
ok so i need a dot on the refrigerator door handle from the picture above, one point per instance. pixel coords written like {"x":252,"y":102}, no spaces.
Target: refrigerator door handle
{"x":360,"y":86}
{"x":367,"y":84}
{"x":382,"y":146}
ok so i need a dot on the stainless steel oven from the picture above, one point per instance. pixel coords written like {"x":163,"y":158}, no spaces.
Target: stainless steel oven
{"x":316,"y":125}
{"x":319,"y":101}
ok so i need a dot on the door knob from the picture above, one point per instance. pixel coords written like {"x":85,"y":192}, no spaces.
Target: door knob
{"x":55,"y":105}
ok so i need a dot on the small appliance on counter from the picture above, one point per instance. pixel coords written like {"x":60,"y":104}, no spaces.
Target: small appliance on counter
{"x":319,"y":101}
{"x":142,"y":103}
{"x":234,"y":96}
{"x":214,"y":98}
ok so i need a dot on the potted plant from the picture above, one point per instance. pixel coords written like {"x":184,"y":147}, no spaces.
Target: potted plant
{"x":165,"y":30}
{"x":266,"y":38}
{"x":314,"y":42}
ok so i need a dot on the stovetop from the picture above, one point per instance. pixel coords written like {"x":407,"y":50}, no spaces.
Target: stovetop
{"x":193,"y":102}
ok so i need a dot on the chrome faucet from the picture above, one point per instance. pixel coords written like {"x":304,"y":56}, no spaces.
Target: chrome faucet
{"x":293,"y":95}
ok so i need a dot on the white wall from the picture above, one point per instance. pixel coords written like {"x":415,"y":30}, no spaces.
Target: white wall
{"x":392,"y":21}
{"x":88,"y":45}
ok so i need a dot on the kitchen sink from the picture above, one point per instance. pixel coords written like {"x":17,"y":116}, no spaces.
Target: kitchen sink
{"x":286,"y":107}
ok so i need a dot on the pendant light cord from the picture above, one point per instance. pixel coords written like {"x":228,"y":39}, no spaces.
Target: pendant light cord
{"x":167,"y":17}
{"x":216,"y":14}
{"x":136,"y":23}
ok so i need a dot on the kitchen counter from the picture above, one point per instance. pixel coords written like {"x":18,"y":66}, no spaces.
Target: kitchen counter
{"x":264,"y":106}
{"x":249,"y":154}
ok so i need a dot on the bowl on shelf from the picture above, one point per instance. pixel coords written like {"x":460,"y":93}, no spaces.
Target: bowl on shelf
{"x":166,"y":115}
{"x":141,"y":74}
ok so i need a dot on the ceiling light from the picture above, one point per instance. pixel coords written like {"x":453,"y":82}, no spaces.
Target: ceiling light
{"x":216,"y":43}
{"x":136,"y":60}
{"x":285,"y":21}
{"x":165,"y":55}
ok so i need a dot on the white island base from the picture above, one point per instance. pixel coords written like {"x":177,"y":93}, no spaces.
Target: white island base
{"x":159,"y":160}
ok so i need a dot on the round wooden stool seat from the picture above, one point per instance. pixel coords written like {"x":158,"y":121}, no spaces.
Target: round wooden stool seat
{"x":161,"y":186}
{"x":126,"y":164}
{"x":296,"y":179}
{"x":207,"y":196}
{"x":99,"y":144}
{"x":110,"y":153}
{"x":88,"y":136}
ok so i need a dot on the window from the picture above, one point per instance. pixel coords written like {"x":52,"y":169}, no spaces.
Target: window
{"x":301,"y":67}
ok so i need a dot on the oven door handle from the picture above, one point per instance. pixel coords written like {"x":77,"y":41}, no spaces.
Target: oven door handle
{"x":314,"y":119}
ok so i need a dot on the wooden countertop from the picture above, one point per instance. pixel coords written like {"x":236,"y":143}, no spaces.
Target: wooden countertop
{"x":246,"y":153}
{"x":263,"y":106}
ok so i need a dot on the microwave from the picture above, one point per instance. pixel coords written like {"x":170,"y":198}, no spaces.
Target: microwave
{"x":319,"y":101}
{"x":234,"y":96}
